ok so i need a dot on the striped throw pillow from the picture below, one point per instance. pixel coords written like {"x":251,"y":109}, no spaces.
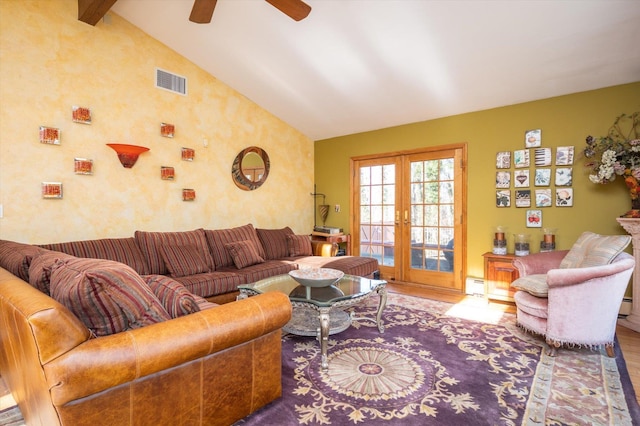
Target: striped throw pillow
{"x":244,"y":253}
{"x":594,"y":250}
{"x":175,"y":298}
{"x":274,"y":242}
{"x":107,"y":296}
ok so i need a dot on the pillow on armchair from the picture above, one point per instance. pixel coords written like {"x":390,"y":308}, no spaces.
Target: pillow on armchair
{"x":594,"y":250}
{"x":535,"y":284}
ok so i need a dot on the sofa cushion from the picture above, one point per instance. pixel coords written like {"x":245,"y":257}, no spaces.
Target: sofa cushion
{"x":150,"y":243}
{"x":535,"y":284}
{"x":212,"y":283}
{"x":16,"y":257}
{"x":274,"y":242}
{"x":299,"y":245}
{"x":182,"y":261}
{"x":244,"y":253}
{"x":173,"y":296}
{"x":594,"y":250}
{"x":124,"y":250}
{"x":107,"y":296}
{"x":219,"y":237}
{"x":40,"y":269}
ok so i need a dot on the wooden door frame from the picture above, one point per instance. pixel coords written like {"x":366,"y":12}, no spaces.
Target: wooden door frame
{"x":353,"y":201}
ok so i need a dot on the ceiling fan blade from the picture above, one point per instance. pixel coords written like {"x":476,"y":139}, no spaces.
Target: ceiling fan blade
{"x":202,"y":11}
{"x":295,"y":9}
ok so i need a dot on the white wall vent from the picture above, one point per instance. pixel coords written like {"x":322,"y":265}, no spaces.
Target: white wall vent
{"x":474,"y":286}
{"x":172,"y":82}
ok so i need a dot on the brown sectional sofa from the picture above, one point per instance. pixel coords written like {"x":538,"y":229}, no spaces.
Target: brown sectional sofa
{"x":167,"y":354}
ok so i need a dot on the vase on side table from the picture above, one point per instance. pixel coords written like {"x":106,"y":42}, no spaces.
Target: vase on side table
{"x":632,"y":226}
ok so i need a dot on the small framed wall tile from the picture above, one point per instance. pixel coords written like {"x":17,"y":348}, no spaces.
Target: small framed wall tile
{"x":523,"y":198}
{"x":167,"y":173}
{"x":521,"y":158}
{"x":521,"y":179}
{"x":543,"y":177}
{"x":167,"y":130}
{"x":543,"y":198}
{"x":533,"y":138}
{"x":503,"y":198}
{"x":534,"y":218}
{"x":564,"y":156}
{"x":51,"y":189}
{"x":564,"y":176}
{"x":503,"y":179}
{"x":188,"y":194}
{"x":188,"y":154}
{"x":49,"y":135}
{"x":564,"y":197}
{"x":82,"y":166}
{"x":503,"y":160}
{"x":81,"y":115}
{"x":542,"y":156}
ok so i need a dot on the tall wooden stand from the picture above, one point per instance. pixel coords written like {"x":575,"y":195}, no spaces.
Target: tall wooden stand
{"x":632,"y":226}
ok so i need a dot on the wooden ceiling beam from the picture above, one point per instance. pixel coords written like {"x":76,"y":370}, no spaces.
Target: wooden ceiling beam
{"x":92,"y":11}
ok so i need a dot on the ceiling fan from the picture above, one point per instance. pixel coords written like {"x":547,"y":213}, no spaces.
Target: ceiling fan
{"x":202,"y":10}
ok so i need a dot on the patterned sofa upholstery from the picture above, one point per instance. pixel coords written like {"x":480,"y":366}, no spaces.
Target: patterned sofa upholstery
{"x":205,"y":267}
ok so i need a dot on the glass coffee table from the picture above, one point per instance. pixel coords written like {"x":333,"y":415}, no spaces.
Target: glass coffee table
{"x":322,"y":314}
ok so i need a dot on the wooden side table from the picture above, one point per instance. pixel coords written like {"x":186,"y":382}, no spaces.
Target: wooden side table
{"x":342,"y":238}
{"x":499,"y":273}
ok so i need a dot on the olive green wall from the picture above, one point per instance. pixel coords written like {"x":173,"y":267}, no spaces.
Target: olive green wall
{"x":564,"y":121}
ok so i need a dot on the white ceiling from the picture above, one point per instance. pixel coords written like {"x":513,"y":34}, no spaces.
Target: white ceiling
{"x":359,"y":65}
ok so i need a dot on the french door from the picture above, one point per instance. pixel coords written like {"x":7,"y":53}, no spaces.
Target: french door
{"x":408,"y":214}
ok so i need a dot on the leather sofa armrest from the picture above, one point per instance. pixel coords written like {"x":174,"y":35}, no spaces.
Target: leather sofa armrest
{"x":323,"y":248}
{"x":539,"y":263}
{"x":114,"y":360}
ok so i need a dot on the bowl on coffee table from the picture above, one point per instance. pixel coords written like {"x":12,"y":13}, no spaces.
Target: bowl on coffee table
{"x":316,"y":277}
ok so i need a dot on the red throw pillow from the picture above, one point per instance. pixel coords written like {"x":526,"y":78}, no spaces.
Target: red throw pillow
{"x":244,"y":253}
{"x":175,"y":298}
{"x":182,"y":261}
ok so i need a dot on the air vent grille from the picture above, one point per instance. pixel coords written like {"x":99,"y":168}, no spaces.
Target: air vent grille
{"x":172,"y":82}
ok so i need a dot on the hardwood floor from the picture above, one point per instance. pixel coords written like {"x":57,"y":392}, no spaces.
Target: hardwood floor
{"x":629,"y":339}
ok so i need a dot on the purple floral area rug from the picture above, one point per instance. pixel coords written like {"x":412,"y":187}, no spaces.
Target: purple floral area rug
{"x":444,"y":364}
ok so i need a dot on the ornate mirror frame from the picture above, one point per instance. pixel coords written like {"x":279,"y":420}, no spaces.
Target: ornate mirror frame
{"x":239,"y":177}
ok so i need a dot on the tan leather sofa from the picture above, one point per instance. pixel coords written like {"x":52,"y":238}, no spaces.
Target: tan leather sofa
{"x":211,"y":367}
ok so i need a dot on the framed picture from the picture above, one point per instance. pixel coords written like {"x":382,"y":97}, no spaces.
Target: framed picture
{"x":564,"y":197}
{"x":564,"y":176}
{"x":503,"y":198}
{"x":532,"y":138}
{"x":521,"y":158}
{"x":188,"y":154}
{"x":167,"y":173}
{"x":82,"y":166}
{"x":534,"y":218}
{"x":542,"y":156}
{"x":523,"y":198}
{"x":503,"y":179}
{"x":521,"y":178}
{"x":51,"y":189}
{"x":564,"y":156}
{"x":81,"y":115}
{"x":543,"y":177}
{"x":49,"y":135}
{"x":188,"y":194}
{"x":503,"y":160}
{"x":167,"y":130}
{"x":543,"y":198}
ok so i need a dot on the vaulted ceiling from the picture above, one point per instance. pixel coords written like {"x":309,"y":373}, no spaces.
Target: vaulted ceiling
{"x":357,"y":65}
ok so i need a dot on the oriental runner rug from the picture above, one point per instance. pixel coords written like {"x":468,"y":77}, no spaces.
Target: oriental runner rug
{"x":443,"y":364}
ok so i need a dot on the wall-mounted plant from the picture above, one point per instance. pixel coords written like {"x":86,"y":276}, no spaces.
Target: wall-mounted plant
{"x":81,"y":115}
{"x":49,"y":135}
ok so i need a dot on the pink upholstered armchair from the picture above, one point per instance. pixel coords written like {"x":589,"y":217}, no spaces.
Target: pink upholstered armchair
{"x":570,"y":299}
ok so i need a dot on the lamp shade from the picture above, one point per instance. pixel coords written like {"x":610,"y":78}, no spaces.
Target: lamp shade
{"x":127,"y":154}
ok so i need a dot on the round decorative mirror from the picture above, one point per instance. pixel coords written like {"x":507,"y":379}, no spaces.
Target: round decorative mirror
{"x":250,"y":168}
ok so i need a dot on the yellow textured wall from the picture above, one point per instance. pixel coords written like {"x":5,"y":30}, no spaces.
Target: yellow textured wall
{"x":50,"y":61}
{"x":564,"y":121}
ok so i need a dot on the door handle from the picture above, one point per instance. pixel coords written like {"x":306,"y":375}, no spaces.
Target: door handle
{"x":397,"y":217}
{"x":406,"y":217}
